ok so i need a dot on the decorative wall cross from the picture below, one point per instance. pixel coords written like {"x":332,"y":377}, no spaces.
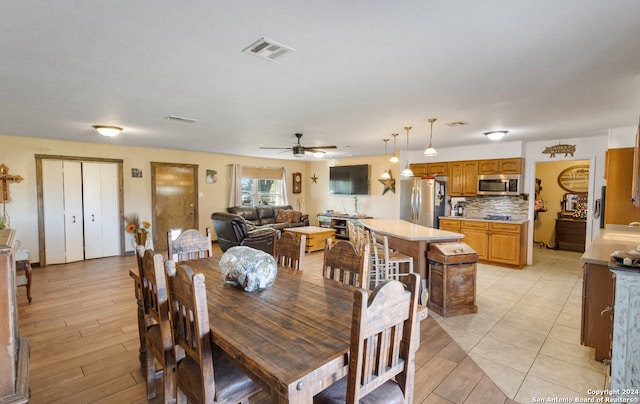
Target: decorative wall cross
{"x":5,"y":180}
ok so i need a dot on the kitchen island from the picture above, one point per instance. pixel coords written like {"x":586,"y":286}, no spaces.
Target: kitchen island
{"x":410,"y":239}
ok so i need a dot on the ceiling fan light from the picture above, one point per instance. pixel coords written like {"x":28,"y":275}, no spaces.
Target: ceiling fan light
{"x":496,"y":135}
{"x":109,"y":131}
{"x":430,"y":151}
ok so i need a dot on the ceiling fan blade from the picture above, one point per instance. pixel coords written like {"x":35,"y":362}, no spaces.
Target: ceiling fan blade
{"x":319,"y":147}
{"x":277,"y":148}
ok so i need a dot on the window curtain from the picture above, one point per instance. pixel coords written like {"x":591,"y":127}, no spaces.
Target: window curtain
{"x":235,"y":185}
{"x":283,"y":189}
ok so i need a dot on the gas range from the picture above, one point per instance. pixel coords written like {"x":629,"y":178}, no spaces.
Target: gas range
{"x":497,"y":216}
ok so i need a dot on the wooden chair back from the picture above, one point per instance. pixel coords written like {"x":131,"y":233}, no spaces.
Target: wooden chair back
{"x":191,"y":326}
{"x":190,"y":244}
{"x":342,"y":262}
{"x":382,"y":338}
{"x":158,"y":332}
{"x":288,"y":252}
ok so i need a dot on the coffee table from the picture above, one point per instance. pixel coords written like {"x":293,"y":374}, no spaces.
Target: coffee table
{"x":316,"y":236}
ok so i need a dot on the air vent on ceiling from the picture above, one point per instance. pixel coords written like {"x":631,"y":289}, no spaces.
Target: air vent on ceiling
{"x":267,"y":49}
{"x":181,"y":119}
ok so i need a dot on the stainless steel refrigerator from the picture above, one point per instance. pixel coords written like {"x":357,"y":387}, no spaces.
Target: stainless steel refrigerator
{"x":422,"y":201}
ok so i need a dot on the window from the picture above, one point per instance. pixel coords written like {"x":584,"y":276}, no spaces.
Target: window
{"x":261,"y":191}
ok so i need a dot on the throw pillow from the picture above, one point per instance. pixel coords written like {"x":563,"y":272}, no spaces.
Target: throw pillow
{"x":284,"y":216}
{"x":296,"y":216}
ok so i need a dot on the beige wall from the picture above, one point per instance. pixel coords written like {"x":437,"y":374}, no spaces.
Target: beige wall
{"x":18,"y":154}
{"x":548,"y":172}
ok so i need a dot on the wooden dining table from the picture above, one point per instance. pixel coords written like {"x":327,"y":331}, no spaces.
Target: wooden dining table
{"x":292,"y":338}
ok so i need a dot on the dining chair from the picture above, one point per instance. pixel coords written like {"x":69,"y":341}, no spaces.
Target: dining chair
{"x":342,"y":262}
{"x":23,"y":269}
{"x":288,"y":252}
{"x":382,"y":347}
{"x":203,"y":374}
{"x":158,"y":334}
{"x":388,"y":261}
{"x":190,"y":244}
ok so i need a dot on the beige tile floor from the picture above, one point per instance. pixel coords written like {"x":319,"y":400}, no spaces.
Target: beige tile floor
{"x":526,"y":334}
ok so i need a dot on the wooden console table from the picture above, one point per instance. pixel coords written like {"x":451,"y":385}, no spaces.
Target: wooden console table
{"x":339,"y":223}
{"x":571,"y":234}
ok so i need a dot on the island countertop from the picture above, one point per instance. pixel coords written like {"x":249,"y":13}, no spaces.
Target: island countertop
{"x":611,"y":239}
{"x":409,"y":231}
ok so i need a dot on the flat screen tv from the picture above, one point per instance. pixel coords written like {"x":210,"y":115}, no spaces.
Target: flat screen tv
{"x":349,"y":180}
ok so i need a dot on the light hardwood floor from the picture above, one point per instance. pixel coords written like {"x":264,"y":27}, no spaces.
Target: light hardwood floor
{"x":82,"y":328}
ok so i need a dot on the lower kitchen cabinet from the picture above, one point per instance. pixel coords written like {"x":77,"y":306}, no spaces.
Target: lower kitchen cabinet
{"x":598,"y":284}
{"x":499,"y":243}
{"x":475,"y":235}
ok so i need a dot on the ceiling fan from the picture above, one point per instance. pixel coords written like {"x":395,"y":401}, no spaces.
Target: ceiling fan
{"x":298,"y":149}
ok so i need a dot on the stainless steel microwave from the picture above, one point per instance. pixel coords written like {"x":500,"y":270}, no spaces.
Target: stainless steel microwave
{"x":499,"y":184}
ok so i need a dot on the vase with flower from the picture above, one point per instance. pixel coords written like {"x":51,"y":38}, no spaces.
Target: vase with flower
{"x":139,"y":229}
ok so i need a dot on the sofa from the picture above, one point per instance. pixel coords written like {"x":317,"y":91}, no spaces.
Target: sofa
{"x":232,"y":230}
{"x":278,"y":216}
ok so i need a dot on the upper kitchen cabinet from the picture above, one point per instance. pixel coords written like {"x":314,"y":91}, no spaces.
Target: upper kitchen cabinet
{"x":619,"y":207}
{"x":463,"y":178}
{"x":435,"y":169}
{"x":501,"y":166}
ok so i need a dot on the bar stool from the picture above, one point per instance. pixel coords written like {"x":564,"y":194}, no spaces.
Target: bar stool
{"x":23,"y":270}
{"x":388,"y":261}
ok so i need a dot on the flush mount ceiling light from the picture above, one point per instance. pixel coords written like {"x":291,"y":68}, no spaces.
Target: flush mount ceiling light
{"x":430,"y":151}
{"x":394,"y":159}
{"x":109,"y":131}
{"x":496,"y":135}
{"x":385,"y":175}
{"x":407,"y":170}
{"x":267,"y":49}
{"x":318,"y":154}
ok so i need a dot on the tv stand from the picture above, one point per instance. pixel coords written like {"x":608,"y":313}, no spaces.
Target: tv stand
{"x":338,"y":222}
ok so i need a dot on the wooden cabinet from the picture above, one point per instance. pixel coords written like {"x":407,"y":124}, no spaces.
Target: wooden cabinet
{"x":463,"y":178}
{"x":618,"y":207}
{"x":506,"y":243}
{"x":500,"y":243}
{"x":501,"y":166}
{"x":450,"y":225}
{"x":475,"y":235}
{"x":420,"y":169}
{"x":438,"y":168}
{"x":571,"y":234}
{"x":598,"y":284}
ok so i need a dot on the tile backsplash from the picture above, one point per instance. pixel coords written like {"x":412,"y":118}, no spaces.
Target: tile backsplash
{"x":509,"y":205}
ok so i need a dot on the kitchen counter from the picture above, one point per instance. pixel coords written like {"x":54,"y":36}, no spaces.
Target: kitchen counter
{"x":514,"y":220}
{"x":410,"y":239}
{"x":611,"y":238}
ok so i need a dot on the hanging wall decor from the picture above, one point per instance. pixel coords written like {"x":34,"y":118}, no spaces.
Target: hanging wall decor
{"x":314,"y":178}
{"x":297,"y":183}
{"x":389,"y":184}
{"x":559,"y":149}
{"x":5,"y":180}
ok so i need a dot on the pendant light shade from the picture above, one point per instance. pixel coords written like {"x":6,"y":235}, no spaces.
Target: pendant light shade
{"x":394,"y":159}
{"x":385,"y":175}
{"x":407,"y":170}
{"x":430,"y":150}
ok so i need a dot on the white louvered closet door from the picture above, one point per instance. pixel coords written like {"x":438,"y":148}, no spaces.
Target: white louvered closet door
{"x":100,"y":198}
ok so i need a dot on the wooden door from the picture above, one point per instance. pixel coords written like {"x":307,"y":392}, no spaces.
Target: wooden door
{"x":619,"y":208}
{"x":174,"y":189}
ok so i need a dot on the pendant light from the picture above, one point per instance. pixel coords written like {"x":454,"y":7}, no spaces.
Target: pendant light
{"x":407,"y":171}
{"x":385,"y":175}
{"x":430,"y":151}
{"x":394,"y":159}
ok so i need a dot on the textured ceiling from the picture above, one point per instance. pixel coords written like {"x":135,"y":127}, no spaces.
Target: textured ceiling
{"x":361,"y":70}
